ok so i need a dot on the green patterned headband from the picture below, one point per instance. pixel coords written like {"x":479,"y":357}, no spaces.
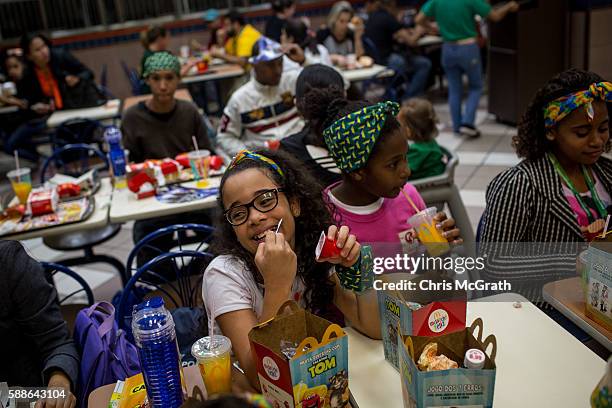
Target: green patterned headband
{"x":161,"y":61}
{"x":351,"y":139}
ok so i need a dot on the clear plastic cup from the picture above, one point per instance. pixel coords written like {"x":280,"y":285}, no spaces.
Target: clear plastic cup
{"x":199,"y":161}
{"x":21,"y":181}
{"x":214,"y":361}
{"x":582,"y":269}
{"x":427,"y":232}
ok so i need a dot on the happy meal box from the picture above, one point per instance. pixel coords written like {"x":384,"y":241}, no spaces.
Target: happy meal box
{"x":417,"y":312}
{"x":302,"y":360}
{"x":434,"y":374}
{"x":599,"y":283}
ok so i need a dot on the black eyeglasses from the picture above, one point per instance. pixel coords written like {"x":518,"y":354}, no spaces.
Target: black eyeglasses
{"x":264,"y":202}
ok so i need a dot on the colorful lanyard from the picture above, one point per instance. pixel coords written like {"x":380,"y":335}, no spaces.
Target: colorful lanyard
{"x":601,"y":208}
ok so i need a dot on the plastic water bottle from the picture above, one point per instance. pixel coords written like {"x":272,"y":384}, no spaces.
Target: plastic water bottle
{"x":116,"y":156}
{"x":155,"y":338}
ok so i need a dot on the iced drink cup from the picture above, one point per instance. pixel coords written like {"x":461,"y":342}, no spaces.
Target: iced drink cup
{"x":22,"y":183}
{"x":427,"y":232}
{"x":213,"y":355}
{"x":199,"y":161}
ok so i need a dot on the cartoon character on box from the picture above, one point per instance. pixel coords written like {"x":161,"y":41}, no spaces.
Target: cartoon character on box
{"x":595,"y":294}
{"x":338,"y":393}
{"x":603,"y":302}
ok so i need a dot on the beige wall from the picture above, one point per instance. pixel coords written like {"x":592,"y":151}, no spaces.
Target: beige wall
{"x":596,"y":43}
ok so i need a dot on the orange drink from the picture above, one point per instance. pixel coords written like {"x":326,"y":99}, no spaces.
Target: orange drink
{"x":427,"y":232}
{"x":21,"y":182}
{"x":214,"y":362}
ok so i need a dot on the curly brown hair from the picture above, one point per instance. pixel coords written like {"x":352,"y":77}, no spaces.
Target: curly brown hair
{"x":531,"y":142}
{"x":297,"y":183}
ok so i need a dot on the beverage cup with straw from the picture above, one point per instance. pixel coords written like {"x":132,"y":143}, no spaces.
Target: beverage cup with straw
{"x":21,"y":181}
{"x":214,"y":361}
{"x":424,"y":224}
{"x":199,"y":162}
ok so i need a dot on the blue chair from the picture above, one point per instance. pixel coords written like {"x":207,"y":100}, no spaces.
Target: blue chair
{"x":181,"y":289}
{"x":53,"y":269}
{"x":79,"y":130}
{"x":75,"y":160}
{"x":179,"y":237}
{"x":134,"y":77}
{"x":69,"y":311}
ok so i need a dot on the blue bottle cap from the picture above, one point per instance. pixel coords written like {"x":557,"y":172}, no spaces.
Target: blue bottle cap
{"x":153,"y":303}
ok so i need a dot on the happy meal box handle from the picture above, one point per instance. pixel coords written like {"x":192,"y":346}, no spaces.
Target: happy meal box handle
{"x":477,"y":323}
{"x":408,"y":343}
{"x":291,"y":304}
{"x":491,"y":340}
{"x":301,"y":349}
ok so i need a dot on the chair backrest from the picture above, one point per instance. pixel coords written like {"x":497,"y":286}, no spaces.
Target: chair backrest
{"x":181,"y":289}
{"x":78,"y":130}
{"x":73,"y":160}
{"x":53,"y":269}
{"x":444,"y":179}
{"x":134,"y":78}
{"x":370,"y":48}
{"x":179,"y":235}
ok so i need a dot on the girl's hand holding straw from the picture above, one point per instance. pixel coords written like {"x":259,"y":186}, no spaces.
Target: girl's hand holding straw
{"x":276,"y":261}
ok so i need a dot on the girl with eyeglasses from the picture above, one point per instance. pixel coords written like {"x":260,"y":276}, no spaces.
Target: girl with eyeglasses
{"x":257,"y":269}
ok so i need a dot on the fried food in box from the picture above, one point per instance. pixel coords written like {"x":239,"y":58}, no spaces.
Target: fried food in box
{"x":431,"y":361}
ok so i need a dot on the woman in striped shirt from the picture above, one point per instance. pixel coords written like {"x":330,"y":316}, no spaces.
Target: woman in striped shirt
{"x":540,"y":213}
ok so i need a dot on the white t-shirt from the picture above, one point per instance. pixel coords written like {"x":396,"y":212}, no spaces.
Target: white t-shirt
{"x":229,"y":286}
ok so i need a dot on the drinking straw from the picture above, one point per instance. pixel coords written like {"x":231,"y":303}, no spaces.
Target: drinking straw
{"x":195,"y":143}
{"x":198,"y":163}
{"x":279,"y":225}
{"x":603,"y":233}
{"x":410,"y":200}
{"x":212,"y":322}
{"x":17,"y":165}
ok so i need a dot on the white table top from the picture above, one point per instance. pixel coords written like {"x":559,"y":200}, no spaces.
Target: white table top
{"x":361,"y":74}
{"x":216,"y":72}
{"x":539,"y":364}
{"x":8,"y":109}
{"x":107,"y":111}
{"x":429,"y":40}
{"x":98,"y":219}
{"x":126,"y":207}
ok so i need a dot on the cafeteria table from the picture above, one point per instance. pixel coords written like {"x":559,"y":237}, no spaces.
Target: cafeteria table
{"x":109,"y":110}
{"x":567,"y":297}
{"x":98,"y":219}
{"x":215,"y":72}
{"x":361,"y":74}
{"x":539,"y":364}
{"x":126,"y":207}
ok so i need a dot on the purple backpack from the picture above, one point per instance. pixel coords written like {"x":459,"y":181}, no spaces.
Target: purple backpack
{"x":106,"y":355}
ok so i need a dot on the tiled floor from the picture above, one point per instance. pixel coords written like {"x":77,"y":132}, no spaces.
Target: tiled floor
{"x":479,"y":161}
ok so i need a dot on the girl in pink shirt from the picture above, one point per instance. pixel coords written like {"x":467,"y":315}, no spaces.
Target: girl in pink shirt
{"x":369,"y":145}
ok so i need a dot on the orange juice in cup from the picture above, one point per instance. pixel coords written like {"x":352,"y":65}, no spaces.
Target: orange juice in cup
{"x":199,"y":160}
{"x":21,"y":182}
{"x":427,"y":232}
{"x":214,"y":362}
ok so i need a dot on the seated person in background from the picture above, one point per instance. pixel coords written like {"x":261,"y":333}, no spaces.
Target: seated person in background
{"x":283,"y":11}
{"x":393,"y":42}
{"x":296,"y":32}
{"x":154,"y":39}
{"x":425,"y":158}
{"x":263,"y":109}
{"x":158,"y":128}
{"x":18,"y":128}
{"x":162,"y":126}
{"x":338,"y":38}
{"x":240,"y":40}
{"x":316,"y":87}
{"x":54,"y":79}
{"x":37,"y":349}
{"x":561,"y":191}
